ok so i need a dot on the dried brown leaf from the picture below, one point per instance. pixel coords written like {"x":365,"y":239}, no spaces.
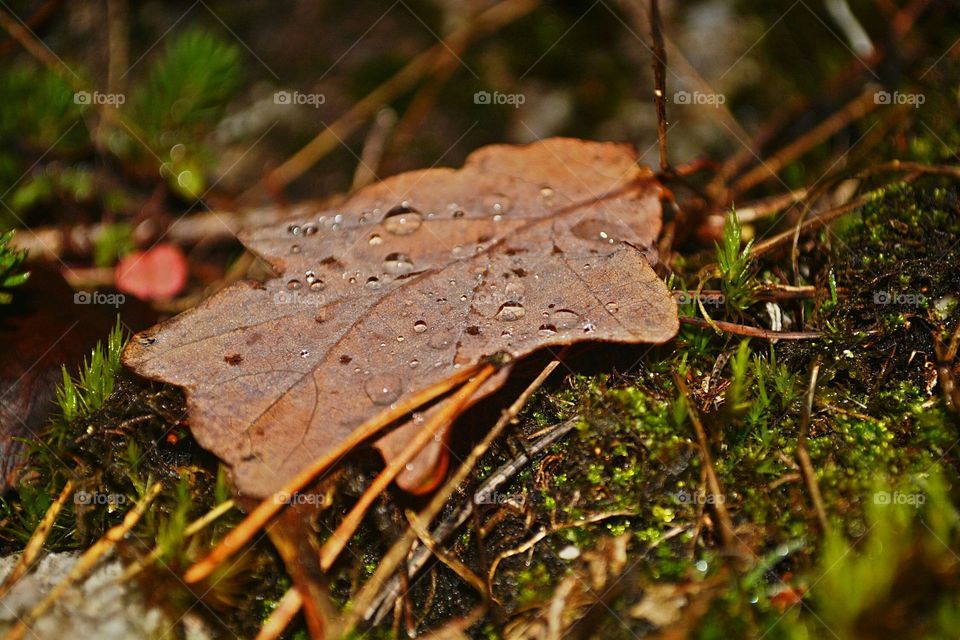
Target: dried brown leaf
{"x":407,"y":282}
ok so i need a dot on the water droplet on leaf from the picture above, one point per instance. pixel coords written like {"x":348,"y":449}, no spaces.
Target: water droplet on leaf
{"x":593,"y":230}
{"x":510,"y":311}
{"x":383,"y":388}
{"x":398,"y":264}
{"x":402,"y":220}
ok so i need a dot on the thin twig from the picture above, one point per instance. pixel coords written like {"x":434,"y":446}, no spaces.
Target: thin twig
{"x":268,"y":508}
{"x":681,"y":66}
{"x":448,"y":412}
{"x":803,"y":455}
{"x":713,"y":482}
{"x":373,"y":149}
{"x":853,"y":110}
{"x":35,"y":544}
{"x":280,"y":617}
{"x":364,"y":602}
{"x":811,"y":224}
{"x":750,"y":332}
{"x":191,"y":530}
{"x":660,"y":81}
{"x":330,"y":138}
{"x":86,"y":563}
{"x":482,"y":494}
{"x":452,"y":563}
{"x":543,"y":533}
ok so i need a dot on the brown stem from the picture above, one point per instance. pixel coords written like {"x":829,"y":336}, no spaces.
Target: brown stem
{"x":660,"y":81}
{"x":853,"y":110}
{"x":713,"y":482}
{"x":803,"y":455}
{"x":751,"y":332}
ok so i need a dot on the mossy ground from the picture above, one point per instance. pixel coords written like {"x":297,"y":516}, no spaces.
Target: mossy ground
{"x":881,"y":439}
{"x":881,"y":435}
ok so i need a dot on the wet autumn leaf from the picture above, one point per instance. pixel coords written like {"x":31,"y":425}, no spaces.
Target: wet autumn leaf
{"x":406,"y":284}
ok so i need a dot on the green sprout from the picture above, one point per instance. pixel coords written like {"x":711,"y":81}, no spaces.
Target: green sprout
{"x":11,"y":261}
{"x":735,"y":266}
{"x":97,"y":378}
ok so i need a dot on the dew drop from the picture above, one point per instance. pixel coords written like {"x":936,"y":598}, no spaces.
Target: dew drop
{"x":458,"y":213}
{"x":316,"y":284}
{"x":383,"y":388}
{"x":294,"y":284}
{"x":414,"y":363}
{"x":514,"y":290}
{"x":565,"y":318}
{"x":402,"y":220}
{"x":397,"y":264}
{"x":497,"y":203}
{"x":309,"y":229}
{"x":295,"y":248}
{"x":373,"y":282}
{"x":375,"y":239}
{"x":419,"y":326}
{"x":294,"y":230}
{"x":593,"y":230}
{"x":510,"y":311}
{"x":589,"y":327}
{"x":546,"y":192}
{"x":304,"y":353}
{"x":612,"y":307}
{"x":547,"y":330}
{"x":441,"y":340}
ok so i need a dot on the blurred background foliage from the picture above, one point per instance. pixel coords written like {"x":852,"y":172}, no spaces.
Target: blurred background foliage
{"x":199,"y":125}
